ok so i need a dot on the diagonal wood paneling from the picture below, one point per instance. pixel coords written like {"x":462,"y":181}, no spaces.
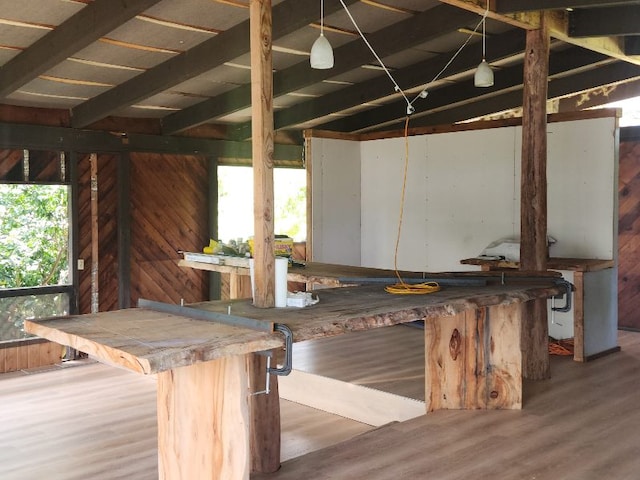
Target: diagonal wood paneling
{"x":168,"y":213}
{"x":629,"y":236}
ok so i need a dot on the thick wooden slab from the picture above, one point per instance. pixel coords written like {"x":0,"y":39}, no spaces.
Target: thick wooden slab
{"x":149,"y":342}
{"x":571,"y":264}
{"x":346,"y":309}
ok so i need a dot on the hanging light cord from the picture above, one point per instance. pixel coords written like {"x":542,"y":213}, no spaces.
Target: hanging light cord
{"x":384,"y":67}
{"x":322,"y":17}
{"x":396,"y":87}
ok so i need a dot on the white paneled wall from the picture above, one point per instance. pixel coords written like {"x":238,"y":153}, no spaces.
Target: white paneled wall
{"x":462,"y":192}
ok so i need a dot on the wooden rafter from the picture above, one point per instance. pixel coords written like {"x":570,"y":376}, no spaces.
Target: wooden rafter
{"x":399,"y":36}
{"x":79,"y":31}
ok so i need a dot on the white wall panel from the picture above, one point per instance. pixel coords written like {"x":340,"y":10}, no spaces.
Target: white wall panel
{"x":335,"y":207}
{"x":383,"y":165}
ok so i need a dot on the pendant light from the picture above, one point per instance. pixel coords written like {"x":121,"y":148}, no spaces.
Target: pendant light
{"x":484,"y":75}
{"x":321,"y":51}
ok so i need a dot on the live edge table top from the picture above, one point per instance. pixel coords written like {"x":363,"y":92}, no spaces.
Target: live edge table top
{"x":148,"y":341}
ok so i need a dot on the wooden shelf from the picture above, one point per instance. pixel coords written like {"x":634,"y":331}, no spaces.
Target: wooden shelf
{"x":570,"y":264}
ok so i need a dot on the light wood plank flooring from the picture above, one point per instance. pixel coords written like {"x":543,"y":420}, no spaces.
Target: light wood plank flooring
{"x":98,"y":422}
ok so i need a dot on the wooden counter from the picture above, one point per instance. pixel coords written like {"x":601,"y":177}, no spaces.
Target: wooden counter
{"x":473,"y":359}
{"x":587,"y":326}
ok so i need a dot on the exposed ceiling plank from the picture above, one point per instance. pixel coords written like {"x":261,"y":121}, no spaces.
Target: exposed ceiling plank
{"x":465,"y":92}
{"x":288,"y":17}
{"x":85,"y":27}
{"x":613,"y":21}
{"x":417,"y":75}
{"x":616,"y":72}
{"x":404,"y":34}
{"x":512,"y":6}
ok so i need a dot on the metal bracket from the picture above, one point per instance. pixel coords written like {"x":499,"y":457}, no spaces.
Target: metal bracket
{"x":568,"y":287}
{"x":288,"y":351}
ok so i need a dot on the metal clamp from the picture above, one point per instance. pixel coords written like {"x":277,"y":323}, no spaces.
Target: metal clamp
{"x":287,"y":366}
{"x":568,"y":288}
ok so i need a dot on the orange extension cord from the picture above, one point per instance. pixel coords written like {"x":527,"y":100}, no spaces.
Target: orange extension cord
{"x":561,"y":347}
{"x":403,"y":288}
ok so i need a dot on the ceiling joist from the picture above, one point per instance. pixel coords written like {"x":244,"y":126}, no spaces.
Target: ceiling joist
{"x":397,"y":37}
{"x":288,"y":17}
{"x":85,"y":27}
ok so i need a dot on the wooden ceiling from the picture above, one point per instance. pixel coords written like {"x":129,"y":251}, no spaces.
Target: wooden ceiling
{"x":185,"y":63}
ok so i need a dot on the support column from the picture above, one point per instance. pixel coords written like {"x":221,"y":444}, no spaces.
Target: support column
{"x":265,"y":409}
{"x":533,"y":198}
{"x":262,"y":148}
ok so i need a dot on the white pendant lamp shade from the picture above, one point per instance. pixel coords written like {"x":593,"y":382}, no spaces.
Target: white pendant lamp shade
{"x":484,"y":75}
{"x":321,"y":53}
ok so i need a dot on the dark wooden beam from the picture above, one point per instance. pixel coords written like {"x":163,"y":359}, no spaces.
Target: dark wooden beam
{"x":632,"y":45}
{"x":504,"y":45}
{"x":289,"y":15}
{"x":513,"y":6}
{"x":583,"y":80}
{"x":599,"y":96}
{"x":397,"y":37}
{"x":70,"y":139}
{"x":601,"y":22}
{"x":124,"y":230}
{"x":464,"y":92}
{"x":92,"y":22}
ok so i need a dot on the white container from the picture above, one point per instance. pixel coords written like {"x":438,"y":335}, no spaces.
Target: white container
{"x":281,"y":267}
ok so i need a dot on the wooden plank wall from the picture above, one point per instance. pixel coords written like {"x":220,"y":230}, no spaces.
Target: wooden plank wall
{"x":168,"y":214}
{"x":30,"y":355}
{"x":629,"y":236}
{"x":107,"y":232}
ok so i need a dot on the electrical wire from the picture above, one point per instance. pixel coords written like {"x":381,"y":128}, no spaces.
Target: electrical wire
{"x":423,"y":93}
{"x":403,"y":288}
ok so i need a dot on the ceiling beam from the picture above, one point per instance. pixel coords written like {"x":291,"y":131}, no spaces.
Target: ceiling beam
{"x":513,"y":6}
{"x":405,"y":34}
{"x":584,"y":80}
{"x":464,"y":92}
{"x":526,"y":20}
{"x":417,"y":75}
{"x":600,"y":96}
{"x":77,"y":32}
{"x":288,"y":16}
{"x":602,"y":22}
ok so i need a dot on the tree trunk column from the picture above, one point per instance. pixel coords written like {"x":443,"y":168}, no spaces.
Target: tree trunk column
{"x":533,"y":198}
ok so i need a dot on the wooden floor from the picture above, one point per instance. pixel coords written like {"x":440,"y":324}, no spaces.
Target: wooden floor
{"x":98,"y":422}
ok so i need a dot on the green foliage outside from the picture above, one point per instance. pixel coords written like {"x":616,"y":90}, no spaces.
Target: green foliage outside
{"x":34,"y":233}
{"x":34,"y":238}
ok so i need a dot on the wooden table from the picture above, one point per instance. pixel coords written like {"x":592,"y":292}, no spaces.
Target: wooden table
{"x":472,"y":342}
{"x":583,"y":270}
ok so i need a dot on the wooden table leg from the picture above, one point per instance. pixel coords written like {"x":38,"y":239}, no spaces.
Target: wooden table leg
{"x":203,"y":421}
{"x":473,"y":360}
{"x":578,"y":317}
{"x":535,"y":340}
{"x":265,"y":416}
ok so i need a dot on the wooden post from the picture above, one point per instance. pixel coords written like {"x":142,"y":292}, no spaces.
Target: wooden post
{"x":95,"y":286}
{"x":265,"y":416}
{"x":473,"y":360}
{"x":203,"y":421}
{"x":533,"y":198}
{"x":265,"y":409}
{"x":262,"y":147}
